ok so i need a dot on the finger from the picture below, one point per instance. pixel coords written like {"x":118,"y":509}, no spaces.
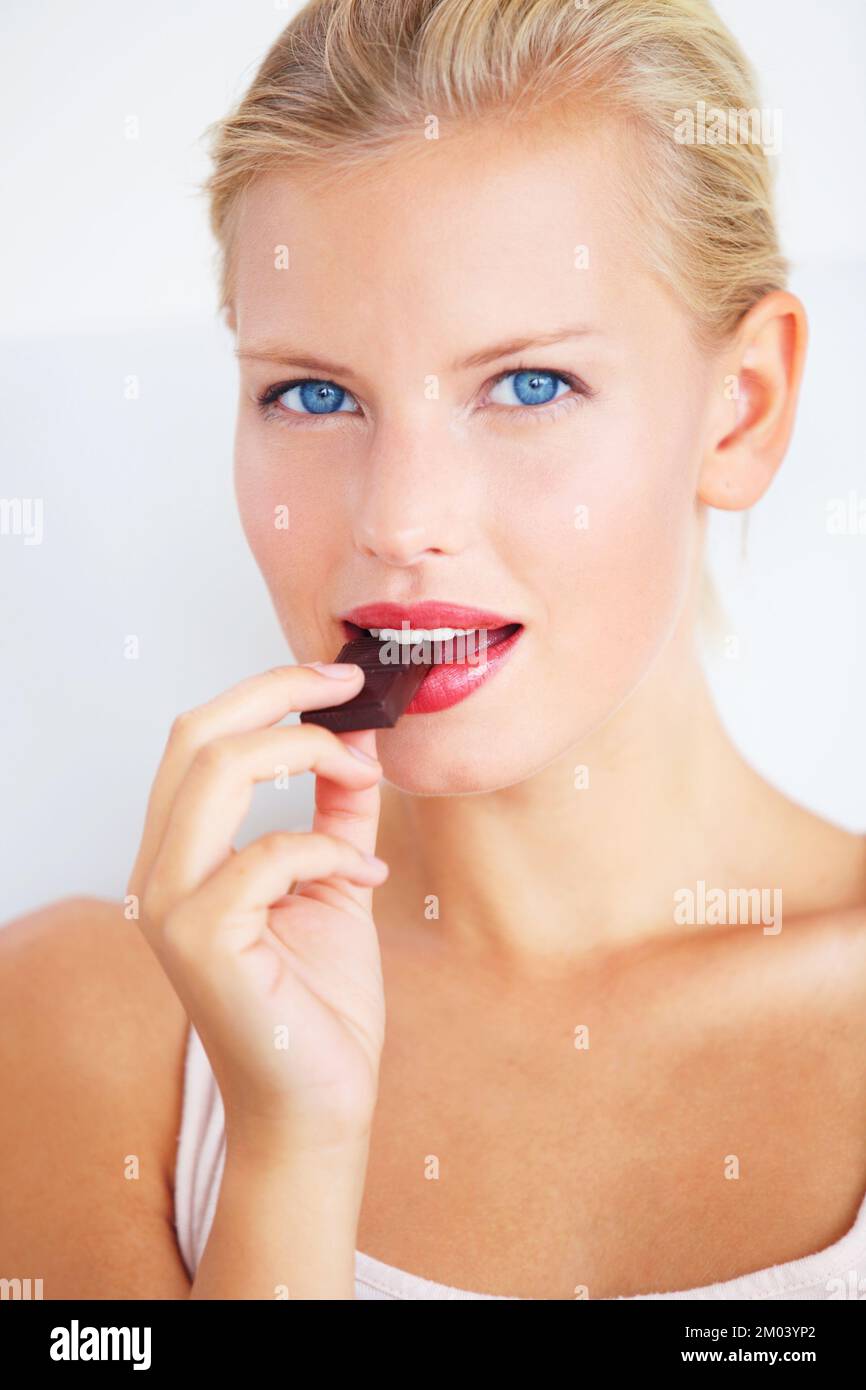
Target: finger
{"x":254,"y":703}
{"x":352,"y":813}
{"x":216,"y":792}
{"x":234,"y":900}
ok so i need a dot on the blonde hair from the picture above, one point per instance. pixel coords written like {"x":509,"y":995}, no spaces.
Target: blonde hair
{"x":348,"y":82}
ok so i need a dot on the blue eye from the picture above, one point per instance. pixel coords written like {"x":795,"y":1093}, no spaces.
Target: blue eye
{"x":525,"y":390}
{"x":309,"y":397}
{"x":530,"y":387}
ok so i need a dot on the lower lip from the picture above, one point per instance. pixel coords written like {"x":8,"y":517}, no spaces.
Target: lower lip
{"x":450,"y":682}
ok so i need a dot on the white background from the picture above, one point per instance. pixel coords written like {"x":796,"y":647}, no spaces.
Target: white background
{"x":107,"y":270}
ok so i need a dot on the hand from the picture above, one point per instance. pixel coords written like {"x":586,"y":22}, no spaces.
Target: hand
{"x":278,"y":936}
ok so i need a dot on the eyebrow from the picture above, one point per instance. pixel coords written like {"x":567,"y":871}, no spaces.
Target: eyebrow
{"x":288,"y":356}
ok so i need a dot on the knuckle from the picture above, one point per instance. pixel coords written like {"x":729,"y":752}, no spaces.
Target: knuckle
{"x":212,"y":757}
{"x":276,"y":842}
{"x":183,"y":727}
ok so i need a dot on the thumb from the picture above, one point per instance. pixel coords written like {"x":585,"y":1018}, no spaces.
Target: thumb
{"x":351,"y":815}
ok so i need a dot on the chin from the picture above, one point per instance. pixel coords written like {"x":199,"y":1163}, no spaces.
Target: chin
{"x":461,"y":780}
{"x":462,"y":765}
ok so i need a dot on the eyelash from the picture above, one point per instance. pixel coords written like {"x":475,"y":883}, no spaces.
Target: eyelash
{"x":269,"y":408}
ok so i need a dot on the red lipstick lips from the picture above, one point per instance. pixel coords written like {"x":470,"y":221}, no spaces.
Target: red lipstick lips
{"x":427,"y":615}
{"x":461,"y":665}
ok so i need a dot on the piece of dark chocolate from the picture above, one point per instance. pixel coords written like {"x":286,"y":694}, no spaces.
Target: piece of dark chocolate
{"x":388,"y":688}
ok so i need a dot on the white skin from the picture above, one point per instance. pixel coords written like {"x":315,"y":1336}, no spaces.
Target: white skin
{"x":463,"y":495}
{"x":604,"y":1167}
{"x":399,"y":496}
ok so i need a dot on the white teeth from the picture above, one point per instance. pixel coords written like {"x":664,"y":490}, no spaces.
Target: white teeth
{"x":421,"y":634}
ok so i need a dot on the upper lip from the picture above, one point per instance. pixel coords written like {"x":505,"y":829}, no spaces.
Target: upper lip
{"x":427,"y":615}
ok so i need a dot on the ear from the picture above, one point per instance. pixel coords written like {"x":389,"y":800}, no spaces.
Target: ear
{"x":760,"y":381}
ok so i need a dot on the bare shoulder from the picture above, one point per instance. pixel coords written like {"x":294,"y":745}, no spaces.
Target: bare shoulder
{"x":79,"y":976}
{"x":814,"y":963}
{"x":771,"y":976}
{"x":808,"y":991}
{"x":798,"y":945}
{"x":832,"y":953}
{"x":91,"y":1070}
{"x":831,"y":948}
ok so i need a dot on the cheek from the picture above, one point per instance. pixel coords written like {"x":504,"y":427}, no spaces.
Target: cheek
{"x":610,"y":509}
{"x":291,"y":523}
{"x":609,"y":546}
{"x":640,"y":523}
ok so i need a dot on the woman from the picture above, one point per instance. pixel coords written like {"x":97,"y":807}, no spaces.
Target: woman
{"x":503,"y":339}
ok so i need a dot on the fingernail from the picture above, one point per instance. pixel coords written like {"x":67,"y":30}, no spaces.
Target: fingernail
{"x":359,"y":753}
{"x":342,"y":670}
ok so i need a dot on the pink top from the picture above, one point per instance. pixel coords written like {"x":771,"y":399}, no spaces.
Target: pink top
{"x":839,"y":1272}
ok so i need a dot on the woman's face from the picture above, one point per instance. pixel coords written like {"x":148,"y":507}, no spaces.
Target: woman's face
{"x":554,"y":483}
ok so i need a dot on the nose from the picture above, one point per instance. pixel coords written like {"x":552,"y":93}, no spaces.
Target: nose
{"x":411,"y":503}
